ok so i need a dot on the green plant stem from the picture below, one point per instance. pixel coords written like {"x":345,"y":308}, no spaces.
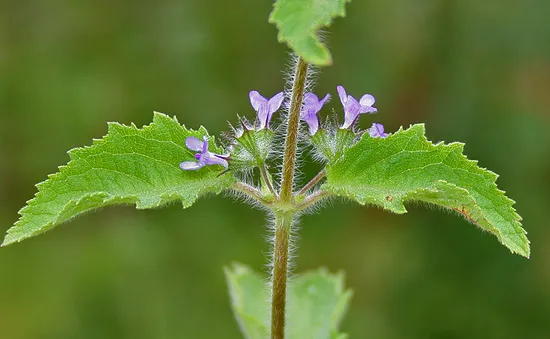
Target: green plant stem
{"x":250,"y":191}
{"x":313,"y":182}
{"x":291,"y":138}
{"x":283,"y":223}
{"x":283,"y":217}
{"x":312,"y":199}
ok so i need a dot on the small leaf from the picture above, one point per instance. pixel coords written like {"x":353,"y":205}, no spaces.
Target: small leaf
{"x":128,"y":166}
{"x":249,"y":296}
{"x":405,"y":166}
{"x":316,"y":303}
{"x":298,"y":22}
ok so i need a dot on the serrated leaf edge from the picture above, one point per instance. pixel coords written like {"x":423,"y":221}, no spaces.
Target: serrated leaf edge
{"x":11,"y":235}
{"x":420,"y":130}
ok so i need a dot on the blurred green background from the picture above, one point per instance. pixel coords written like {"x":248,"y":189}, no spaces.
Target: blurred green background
{"x":473,"y":71}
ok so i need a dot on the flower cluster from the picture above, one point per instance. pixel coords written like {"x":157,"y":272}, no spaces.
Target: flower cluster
{"x":265,"y":108}
{"x":352,"y":108}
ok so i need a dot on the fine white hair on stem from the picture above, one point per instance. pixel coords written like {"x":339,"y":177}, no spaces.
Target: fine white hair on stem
{"x":328,"y":201}
{"x":290,"y":76}
{"x":292,"y":246}
{"x":245,"y":198}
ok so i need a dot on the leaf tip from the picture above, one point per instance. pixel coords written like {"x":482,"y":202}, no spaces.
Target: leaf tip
{"x":299,"y":27}
{"x":237,"y":269}
{"x":159,"y":115}
{"x":524,"y":250}
{"x":9,"y":239}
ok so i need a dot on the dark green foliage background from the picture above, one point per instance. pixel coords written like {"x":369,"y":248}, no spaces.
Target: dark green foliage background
{"x":473,"y":71}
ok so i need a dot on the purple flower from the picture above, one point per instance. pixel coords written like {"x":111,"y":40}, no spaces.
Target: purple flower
{"x":205,"y":157}
{"x":377,"y":130}
{"x":264,"y":107}
{"x":352,"y":107}
{"x":312,"y":105}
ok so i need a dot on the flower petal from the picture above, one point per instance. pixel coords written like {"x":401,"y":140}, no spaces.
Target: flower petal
{"x":342,"y":94}
{"x":351,"y":111}
{"x":310,"y":108}
{"x":322,"y":102}
{"x":214,"y":159}
{"x":194,"y":144}
{"x":368,"y":109}
{"x":190,"y":165}
{"x":377,"y":130}
{"x":256,"y":100}
{"x":310,"y":99}
{"x":313,"y":124}
{"x":205,"y":145}
{"x":367,"y":100}
{"x":275,"y":102}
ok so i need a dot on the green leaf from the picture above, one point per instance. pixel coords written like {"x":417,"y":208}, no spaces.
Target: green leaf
{"x":405,"y":166}
{"x":316,"y":302}
{"x":316,"y":305}
{"x":249,"y":296}
{"x":128,"y":166}
{"x":298,"y":22}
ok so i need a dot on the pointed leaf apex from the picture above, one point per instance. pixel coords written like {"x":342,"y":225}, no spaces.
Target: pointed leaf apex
{"x":405,"y":166}
{"x":128,"y":166}
{"x":298,"y":26}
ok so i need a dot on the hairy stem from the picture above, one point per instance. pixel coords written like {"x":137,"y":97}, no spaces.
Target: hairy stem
{"x":291,"y":138}
{"x":250,"y":191}
{"x":312,"y":199}
{"x":283,"y":223}
{"x":283,"y":220}
{"x":313,"y":182}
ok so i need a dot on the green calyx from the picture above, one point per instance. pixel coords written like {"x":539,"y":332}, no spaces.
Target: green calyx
{"x":251,"y":149}
{"x":332,"y":144}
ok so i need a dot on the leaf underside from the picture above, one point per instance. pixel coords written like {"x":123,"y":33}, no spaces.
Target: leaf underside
{"x":298,"y":22}
{"x":128,"y":166}
{"x":405,"y":166}
{"x":317,"y":302}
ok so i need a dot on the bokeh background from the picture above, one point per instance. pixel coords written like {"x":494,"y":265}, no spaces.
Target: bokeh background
{"x":473,"y":71}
